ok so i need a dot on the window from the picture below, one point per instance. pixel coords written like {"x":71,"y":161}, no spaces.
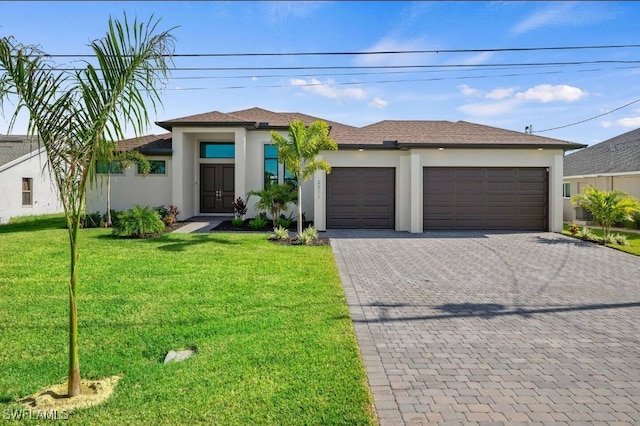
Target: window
{"x":566,"y":190}
{"x":273,"y":170}
{"x":112,"y":168}
{"x":27,"y":191}
{"x":217,"y":150}
{"x":156,"y":167}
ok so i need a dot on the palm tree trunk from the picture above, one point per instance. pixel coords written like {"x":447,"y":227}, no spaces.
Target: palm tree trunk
{"x":109,"y":200}
{"x":299,"y":206}
{"x":73,"y":382}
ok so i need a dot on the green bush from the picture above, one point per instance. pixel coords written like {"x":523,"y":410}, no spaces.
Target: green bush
{"x":237,"y":222}
{"x":586,"y":234}
{"x":620,"y":240}
{"x":308,"y":236}
{"x":258,"y":222}
{"x":138,"y":222}
{"x":115,"y":216}
{"x":284,"y":221}
{"x":91,"y":220}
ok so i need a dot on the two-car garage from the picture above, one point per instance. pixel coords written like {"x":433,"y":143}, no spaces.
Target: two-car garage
{"x":469,"y":198}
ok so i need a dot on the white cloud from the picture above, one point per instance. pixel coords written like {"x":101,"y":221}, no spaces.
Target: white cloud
{"x":280,"y":11}
{"x":468,"y":91}
{"x":500,"y":93}
{"x":553,"y":14}
{"x":479,"y":58}
{"x":484,"y":109}
{"x":328,"y":89}
{"x":378,"y":102}
{"x":567,"y":14}
{"x":629,"y":122}
{"x":547,"y":93}
{"x":392,"y":45}
{"x":606,"y":124}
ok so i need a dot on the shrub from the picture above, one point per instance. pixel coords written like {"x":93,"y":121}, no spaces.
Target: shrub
{"x":284,"y":222}
{"x":586,"y":234}
{"x":620,"y":240}
{"x":239,"y":207}
{"x":308,"y":236}
{"x":258,"y":222}
{"x":573,"y":229}
{"x":115,"y":216}
{"x":237,"y":222}
{"x":91,"y":220}
{"x":168,"y":215}
{"x":163,"y":212}
{"x":280,"y":233}
{"x":138,"y":222}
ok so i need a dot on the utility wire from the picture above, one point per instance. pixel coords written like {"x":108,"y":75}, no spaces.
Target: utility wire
{"x":383,"y":52}
{"x":588,"y":119}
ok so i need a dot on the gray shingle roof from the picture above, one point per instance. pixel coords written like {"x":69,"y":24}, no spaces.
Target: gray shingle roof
{"x":388,"y":133}
{"x":620,"y":154}
{"x":13,"y":147}
{"x":149,"y":144}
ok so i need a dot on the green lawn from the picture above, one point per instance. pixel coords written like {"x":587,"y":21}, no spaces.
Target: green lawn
{"x":275,"y":342}
{"x":632,"y":237}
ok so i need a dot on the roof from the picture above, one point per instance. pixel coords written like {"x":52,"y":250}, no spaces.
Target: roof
{"x":384,"y":134}
{"x":620,"y":154}
{"x":149,"y":144}
{"x":13,"y":147}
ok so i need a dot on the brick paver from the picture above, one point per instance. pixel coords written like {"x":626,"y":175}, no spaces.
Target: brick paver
{"x":494,"y":328}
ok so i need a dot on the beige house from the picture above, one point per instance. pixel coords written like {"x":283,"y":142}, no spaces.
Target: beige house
{"x":403,"y":175}
{"x":612,"y":164}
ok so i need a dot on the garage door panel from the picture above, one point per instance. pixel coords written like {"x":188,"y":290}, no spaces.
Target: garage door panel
{"x":361,"y":197}
{"x":485,"y":198}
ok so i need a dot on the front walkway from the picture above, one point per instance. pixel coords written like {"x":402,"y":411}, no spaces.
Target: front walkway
{"x":201,"y":224}
{"x":474,"y":328}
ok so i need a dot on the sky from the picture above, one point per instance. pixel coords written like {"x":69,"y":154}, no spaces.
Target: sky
{"x":544,"y":89}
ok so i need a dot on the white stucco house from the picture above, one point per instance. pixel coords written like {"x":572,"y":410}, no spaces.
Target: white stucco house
{"x":26,"y":187}
{"x":404,"y":175}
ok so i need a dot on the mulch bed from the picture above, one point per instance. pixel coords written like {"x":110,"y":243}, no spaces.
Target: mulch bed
{"x":226,"y":226}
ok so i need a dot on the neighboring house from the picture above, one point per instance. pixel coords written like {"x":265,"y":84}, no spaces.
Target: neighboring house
{"x":612,"y":164}
{"x":26,"y":187}
{"x":404,"y":175}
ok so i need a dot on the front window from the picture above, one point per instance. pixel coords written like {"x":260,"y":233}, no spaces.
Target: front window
{"x":156,"y":167}
{"x":217,"y":150}
{"x":566,"y":190}
{"x":112,"y":168}
{"x":275,"y":172}
{"x":27,"y":191}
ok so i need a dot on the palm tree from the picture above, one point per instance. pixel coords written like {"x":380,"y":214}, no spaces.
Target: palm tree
{"x":607,"y":207}
{"x":76,"y":113}
{"x":275,"y":199}
{"x":299,"y":151}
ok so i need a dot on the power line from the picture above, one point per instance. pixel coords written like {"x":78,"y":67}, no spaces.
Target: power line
{"x":382,"y":52}
{"x":588,"y":119}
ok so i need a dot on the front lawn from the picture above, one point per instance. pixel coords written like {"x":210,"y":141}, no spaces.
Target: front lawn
{"x":632,"y":237}
{"x":274,"y":340}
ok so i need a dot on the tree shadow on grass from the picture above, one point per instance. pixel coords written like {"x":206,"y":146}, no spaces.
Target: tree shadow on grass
{"x":182,"y":245}
{"x":34,"y":224}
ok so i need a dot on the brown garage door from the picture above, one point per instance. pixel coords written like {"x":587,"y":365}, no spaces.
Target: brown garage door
{"x":485,"y":198}
{"x":361,"y":197}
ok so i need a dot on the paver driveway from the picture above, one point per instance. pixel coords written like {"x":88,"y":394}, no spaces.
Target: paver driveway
{"x":498,"y":327}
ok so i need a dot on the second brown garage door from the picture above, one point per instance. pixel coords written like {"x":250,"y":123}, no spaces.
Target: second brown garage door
{"x":361,"y":197}
{"x":485,"y":198}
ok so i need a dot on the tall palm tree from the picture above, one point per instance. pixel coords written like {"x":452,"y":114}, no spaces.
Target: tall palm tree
{"x":299,"y":151}
{"x":607,"y":207}
{"x":76,"y":114}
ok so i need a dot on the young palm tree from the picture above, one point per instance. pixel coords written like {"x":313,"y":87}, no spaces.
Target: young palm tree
{"x":275,"y":199}
{"x":76,"y":113}
{"x":607,"y":207}
{"x":298,"y":153}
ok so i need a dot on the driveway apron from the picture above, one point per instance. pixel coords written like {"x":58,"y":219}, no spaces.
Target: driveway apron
{"x":477,"y":328}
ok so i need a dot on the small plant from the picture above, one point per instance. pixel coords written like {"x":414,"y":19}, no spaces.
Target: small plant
{"x":239,"y":208}
{"x":280,"y":233}
{"x":168,"y":215}
{"x":139,"y":222}
{"x":586,"y":234}
{"x":573,"y":229}
{"x":115,"y":216}
{"x":258,"y":222}
{"x":237,"y":222}
{"x":307,"y":236}
{"x":284,"y":222}
{"x":163,"y":212}
{"x":620,"y":240}
{"x":91,"y":220}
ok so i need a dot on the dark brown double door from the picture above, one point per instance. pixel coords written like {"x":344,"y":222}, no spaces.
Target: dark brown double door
{"x":216,"y":188}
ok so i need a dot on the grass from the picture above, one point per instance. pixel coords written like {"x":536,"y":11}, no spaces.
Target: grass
{"x":632,"y":237}
{"x":274,"y":339}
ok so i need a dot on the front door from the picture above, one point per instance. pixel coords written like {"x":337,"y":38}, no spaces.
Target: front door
{"x":216,"y":188}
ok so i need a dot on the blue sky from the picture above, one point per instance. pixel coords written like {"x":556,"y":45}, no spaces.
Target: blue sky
{"x":508,"y":97}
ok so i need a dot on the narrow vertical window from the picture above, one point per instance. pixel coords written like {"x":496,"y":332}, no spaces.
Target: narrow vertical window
{"x":270,"y":165}
{"x":566,"y":190}
{"x":27,"y":191}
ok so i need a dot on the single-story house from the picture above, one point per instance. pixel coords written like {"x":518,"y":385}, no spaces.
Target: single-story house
{"x":403,"y":175}
{"x":612,"y":164}
{"x":26,"y":188}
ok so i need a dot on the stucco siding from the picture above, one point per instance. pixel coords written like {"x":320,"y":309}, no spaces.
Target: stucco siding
{"x":45,"y":199}
{"x":629,"y":183}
